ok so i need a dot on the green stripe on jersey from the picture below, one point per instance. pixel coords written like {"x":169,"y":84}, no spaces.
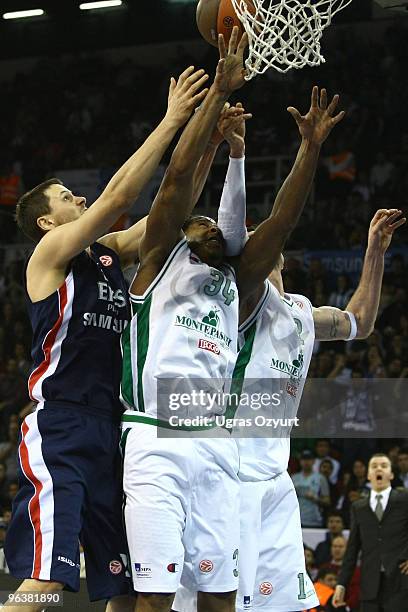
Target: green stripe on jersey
{"x":238,"y":375}
{"x":126,"y":387}
{"x":143,"y":329}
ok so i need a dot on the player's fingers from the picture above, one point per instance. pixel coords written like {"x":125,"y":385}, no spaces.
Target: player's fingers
{"x":221,"y":46}
{"x":239,"y":105}
{"x":335,"y":120}
{"x":194,"y":87}
{"x":193,"y":78}
{"x":247,"y":116}
{"x":221,"y":66}
{"x":172,"y":86}
{"x":233,"y":41}
{"x":243,"y":43}
{"x":200,"y":96}
{"x":323,"y":99}
{"x":395,"y":226}
{"x":315,"y":97}
{"x":333,"y":104}
{"x":295,"y":114}
{"x":183,"y":76}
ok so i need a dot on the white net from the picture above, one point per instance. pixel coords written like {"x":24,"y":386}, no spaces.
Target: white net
{"x":285,"y":34}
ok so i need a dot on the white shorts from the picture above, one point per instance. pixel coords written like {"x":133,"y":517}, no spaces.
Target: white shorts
{"x":272,"y":570}
{"x":182,"y":504}
{"x":273,"y":575}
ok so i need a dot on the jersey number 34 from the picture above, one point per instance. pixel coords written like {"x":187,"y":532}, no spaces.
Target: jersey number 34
{"x":219,"y":282}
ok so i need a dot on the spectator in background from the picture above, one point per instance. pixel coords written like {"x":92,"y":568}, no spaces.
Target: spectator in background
{"x":326,"y":469}
{"x":335,"y":526}
{"x":403,"y":466}
{"x":10,"y":190}
{"x":3,"y":487}
{"x":341,"y":297}
{"x":310,"y":562}
{"x":356,"y":489}
{"x":337,"y":552}
{"x":312,"y":490}
{"x":322,"y":450}
{"x":381,"y":174}
{"x":324,"y":586}
{"x":8,"y":451}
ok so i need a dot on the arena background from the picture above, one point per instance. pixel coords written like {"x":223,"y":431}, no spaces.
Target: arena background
{"x":80,"y":90}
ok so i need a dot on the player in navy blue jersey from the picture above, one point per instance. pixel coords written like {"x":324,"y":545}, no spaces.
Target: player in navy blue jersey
{"x":70,"y":485}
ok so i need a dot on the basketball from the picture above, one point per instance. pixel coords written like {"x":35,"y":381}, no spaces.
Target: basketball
{"x":217,"y":17}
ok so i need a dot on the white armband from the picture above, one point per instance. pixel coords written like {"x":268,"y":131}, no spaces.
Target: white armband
{"x":353,"y":323}
{"x":232,"y":212}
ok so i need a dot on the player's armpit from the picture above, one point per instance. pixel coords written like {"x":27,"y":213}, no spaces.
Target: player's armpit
{"x":331,"y":324}
{"x":126,"y":243}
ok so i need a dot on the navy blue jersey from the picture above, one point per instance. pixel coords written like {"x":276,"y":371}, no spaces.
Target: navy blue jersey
{"x":76,"y":335}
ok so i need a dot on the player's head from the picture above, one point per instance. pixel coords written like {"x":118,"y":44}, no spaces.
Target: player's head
{"x":205,"y":239}
{"x":47,"y":206}
{"x":380,"y":472}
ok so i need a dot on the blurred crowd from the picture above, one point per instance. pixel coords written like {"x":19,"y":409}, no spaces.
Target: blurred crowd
{"x":98,"y":112}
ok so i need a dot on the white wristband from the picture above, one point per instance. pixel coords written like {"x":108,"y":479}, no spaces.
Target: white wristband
{"x":353,"y":323}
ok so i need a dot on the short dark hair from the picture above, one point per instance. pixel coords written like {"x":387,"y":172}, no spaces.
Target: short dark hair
{"x":378,"y":455}
{"x":191,"y":220}
{"x":325,"y":571}
{"x":32,"y":205}
{"x":335,"y":513}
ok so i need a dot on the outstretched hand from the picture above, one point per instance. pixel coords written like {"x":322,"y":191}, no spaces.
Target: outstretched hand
{"x":382,"y":228}
{"x":317,"y":124}
{"x":230,"y":70}
{"x":185,"y":94}
{"x":231,"y":127}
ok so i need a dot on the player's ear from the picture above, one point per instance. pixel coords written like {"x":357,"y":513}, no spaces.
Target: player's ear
{"x":45,"y":223}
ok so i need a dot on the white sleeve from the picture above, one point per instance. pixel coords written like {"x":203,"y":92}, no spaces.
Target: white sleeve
{"x":232,"y":211}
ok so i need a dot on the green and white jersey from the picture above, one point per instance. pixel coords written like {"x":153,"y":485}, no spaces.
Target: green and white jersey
{"x":276,"y":345}
{"x":185,"y":326}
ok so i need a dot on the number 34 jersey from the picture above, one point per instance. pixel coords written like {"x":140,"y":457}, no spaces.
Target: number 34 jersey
{"x":185,"y":326}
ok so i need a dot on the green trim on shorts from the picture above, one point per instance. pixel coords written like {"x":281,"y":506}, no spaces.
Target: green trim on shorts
{"x":130,"y":418}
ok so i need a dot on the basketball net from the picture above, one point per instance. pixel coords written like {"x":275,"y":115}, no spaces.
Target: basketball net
{"x":285,"y":34}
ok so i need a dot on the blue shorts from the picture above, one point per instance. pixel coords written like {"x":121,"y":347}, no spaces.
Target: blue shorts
{"x":70,"y":493}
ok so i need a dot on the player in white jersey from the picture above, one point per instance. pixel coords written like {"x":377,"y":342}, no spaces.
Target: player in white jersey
{"x":277,"y":343}
{"x":276,"y":339}
{"x":182,"y":495}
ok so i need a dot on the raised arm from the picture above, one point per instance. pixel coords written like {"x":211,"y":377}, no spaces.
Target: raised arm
{"x":174,"y":200}
{"x":357,"y":321}
{"x":263,"y":249}
{"x":67,"y":240}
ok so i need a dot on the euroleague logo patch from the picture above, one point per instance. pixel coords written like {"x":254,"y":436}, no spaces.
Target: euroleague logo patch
{"x":106,"y":260}
{"x":206,"y":566}
{"x":115,"y":567}
{"x":265,"y":588}
{"x":228,"y":21}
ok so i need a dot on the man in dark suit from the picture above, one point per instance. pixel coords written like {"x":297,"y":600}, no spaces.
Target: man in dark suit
{"x":379,"y":529}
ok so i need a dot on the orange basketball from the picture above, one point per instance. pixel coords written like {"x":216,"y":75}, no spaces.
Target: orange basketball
{"x":217,"y":17}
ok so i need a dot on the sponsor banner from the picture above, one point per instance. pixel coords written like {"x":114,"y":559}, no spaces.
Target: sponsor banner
{"x":349,"y":262}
